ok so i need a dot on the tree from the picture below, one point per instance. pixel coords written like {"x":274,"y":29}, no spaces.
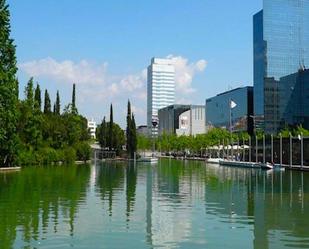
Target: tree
{"x":47,"y":105}
{"x":74,"y":109}
{"x":110,"y":129}
{"x":30,"y":119}
{"x":117,"y":137}
{"x":37,"y":97}
{"x":57,"y":105}
{"x":102,"y":134}
{"x":131,"y":133}
{"x":8,"y":91}
{"x":29,"y":93}
{"x":133,"y":137}
{"x":128,"y":130}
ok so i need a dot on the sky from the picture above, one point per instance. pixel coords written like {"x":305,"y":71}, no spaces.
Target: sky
{"x":105,"y":47}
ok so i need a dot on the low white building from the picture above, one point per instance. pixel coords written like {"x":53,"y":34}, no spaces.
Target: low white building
{"x":182,"y":120}
{"x":192,"y":122}
{"x":92,"y":126}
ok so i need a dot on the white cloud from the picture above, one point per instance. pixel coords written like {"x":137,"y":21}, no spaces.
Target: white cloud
{"x":185,"y":72}
{"x":97,"y":87}
{"x":67,"y":71}
{"x":134,"y":81}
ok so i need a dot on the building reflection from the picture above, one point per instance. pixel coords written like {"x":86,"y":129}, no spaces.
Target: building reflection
{"x":169,"y":204}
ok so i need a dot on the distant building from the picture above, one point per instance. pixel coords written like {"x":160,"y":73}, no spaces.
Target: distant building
{"x":182,"y":120}
{"x":142,"y":130}
{"x":192,"y":122}
{"x":218,"y":111}
{"x":92,"y":126}
{"x":160,"y":89}
{"x":281,"y":48}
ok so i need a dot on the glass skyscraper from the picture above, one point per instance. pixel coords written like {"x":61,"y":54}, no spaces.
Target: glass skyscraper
{"x":160,"y":89}
{"x":281,"y":48}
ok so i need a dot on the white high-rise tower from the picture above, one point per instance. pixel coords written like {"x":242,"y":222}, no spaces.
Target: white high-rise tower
{"x":160,"y":89}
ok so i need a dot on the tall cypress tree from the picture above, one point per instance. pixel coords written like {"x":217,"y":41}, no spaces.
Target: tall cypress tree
{"x":47,"y":105}
{"x":128,"y":130}
{"x":74,"y":109}
{"x":8,"y":90}
{"x":29,"y":93}
{"x":133,"y":137}
{"x":110,"y":129}
{"x":57,"y":104}
{"x":102,"y":134}
{"x":37,"y":97}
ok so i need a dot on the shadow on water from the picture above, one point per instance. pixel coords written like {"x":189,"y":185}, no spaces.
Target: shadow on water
{"x":173,"y":204}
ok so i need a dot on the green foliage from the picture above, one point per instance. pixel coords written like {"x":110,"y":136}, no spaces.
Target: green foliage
{"x":28,"y":136}
{"x":83,"y":151}
{"x":50,"y":138}
{"x":8,"y":91}
{"x":74,"y":109}
{"x":47,"y":105}
{"x":105,"y":136}
{"x":294,"y":131}
{"x":37,"y":97}
{"x":101,"y":134}
{"x":57,"y":104}
{"x":110,"y":141}
{"x":169,"y":143}
{"x":143,"y":143}
{"x":131,"y":133}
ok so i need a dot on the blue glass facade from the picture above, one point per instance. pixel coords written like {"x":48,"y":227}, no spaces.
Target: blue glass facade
{"x":294,"y":99}
{"x":218,"y":110}
{"x":281,"y":48}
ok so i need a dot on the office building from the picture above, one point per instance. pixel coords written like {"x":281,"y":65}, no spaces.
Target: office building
{"x":160,"y":89}
{"x":281,"y":48}
{"x":92,"y":126}
{"x":294,"y":99}
{"x":182,"y":120}
{"x":238,"y":118}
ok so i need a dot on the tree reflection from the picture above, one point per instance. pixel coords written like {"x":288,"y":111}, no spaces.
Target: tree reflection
{"x":131,"y":181}
{"x":110,"y":180}
{"x":37,"y":197}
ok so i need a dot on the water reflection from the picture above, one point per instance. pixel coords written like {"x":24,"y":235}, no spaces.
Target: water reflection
{"x":36,"y":200}
{"x":173,"y":204}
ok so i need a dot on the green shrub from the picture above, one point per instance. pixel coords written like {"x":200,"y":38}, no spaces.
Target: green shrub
{"x":69,"y":155}
{"x":83,"y":151}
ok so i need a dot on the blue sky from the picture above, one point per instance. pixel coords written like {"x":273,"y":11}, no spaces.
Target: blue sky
{"x":105,"y":46}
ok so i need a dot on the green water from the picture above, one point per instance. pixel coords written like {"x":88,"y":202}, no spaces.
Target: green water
{"x":171,"y":205}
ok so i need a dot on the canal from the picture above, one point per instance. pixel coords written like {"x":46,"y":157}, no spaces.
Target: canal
{"x":175,"y":204}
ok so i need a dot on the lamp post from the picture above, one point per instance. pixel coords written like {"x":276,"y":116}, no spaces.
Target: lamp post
{"x":154,"y":126}
{"x":302,"y":150}
{"x":256,"y":149}
{"x":280,"y":135}
{"x":272,"y":148}
{"x":291,"y":150}
{"x":264,"y":159}
{"x":250,"y":149}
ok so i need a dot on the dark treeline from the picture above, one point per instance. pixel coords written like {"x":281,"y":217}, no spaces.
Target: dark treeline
{"x":112,"y":138}
{"x":29,"y":133}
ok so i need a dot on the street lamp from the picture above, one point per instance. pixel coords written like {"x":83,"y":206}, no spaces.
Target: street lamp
{"x":154,"y":126}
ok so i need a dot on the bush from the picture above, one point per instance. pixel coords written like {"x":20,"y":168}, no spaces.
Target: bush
{"x":83,"y":151}
{"x":26,"y":158}
{"x":48,"y":156}
{"x":69,"y":155}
